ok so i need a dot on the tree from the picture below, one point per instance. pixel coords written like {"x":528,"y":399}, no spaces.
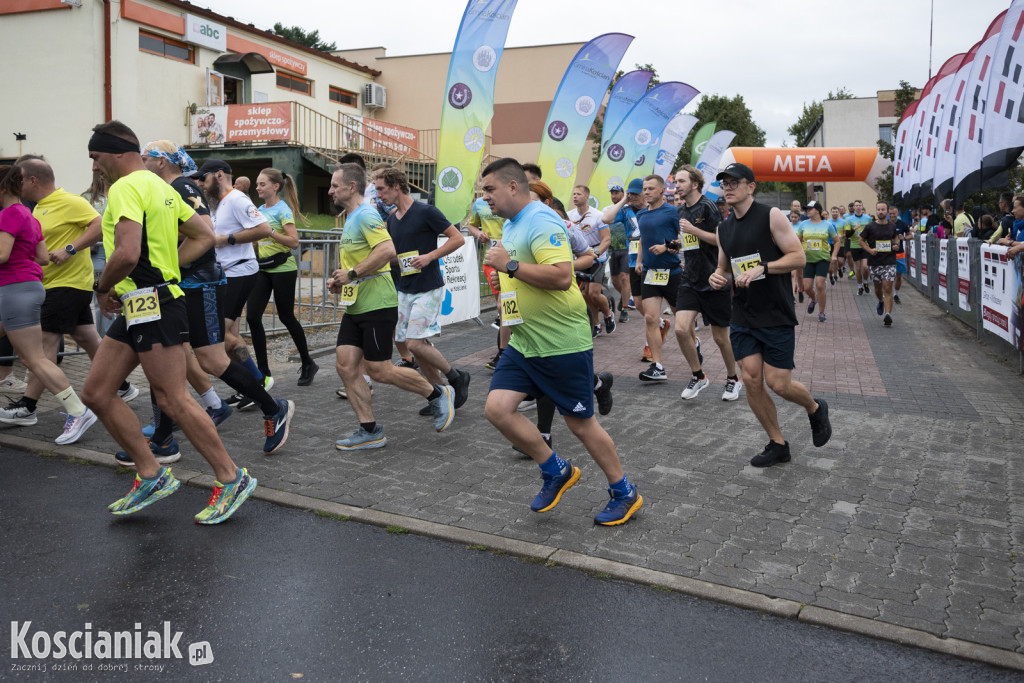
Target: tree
{"x":597,"y":130}
{"x":905,"y":96}
{"x":298,"y":35}
{"x":731,"y":113}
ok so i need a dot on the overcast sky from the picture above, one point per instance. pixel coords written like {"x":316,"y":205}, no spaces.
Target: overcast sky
{"x":776,"y":54}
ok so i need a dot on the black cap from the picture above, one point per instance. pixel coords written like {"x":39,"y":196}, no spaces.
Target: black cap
{"x":212,"y":166}
{"x":737,"y":171}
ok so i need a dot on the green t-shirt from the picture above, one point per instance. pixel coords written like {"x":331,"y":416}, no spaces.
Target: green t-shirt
{"x":555,"y":322}
{"x":278,"y":216}
{"x":815,"y":238}
{"x":362,"y":232}
{"x":855,"y":226}
{"x":145,"y":198}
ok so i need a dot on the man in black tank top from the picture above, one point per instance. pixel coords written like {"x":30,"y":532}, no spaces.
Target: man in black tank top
{"x":757,"y":250}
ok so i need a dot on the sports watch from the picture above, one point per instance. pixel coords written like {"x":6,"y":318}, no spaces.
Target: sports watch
{"x":512,"y":267}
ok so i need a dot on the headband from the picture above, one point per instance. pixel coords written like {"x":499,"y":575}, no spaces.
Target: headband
{"x":105,"y":143}
{"x":179,"y":158}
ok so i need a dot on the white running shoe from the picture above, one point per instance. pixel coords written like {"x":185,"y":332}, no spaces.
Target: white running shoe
{"x":17,"y":414}
{"x":128,"y":394}
{"x":695,"y":387}
{"x":732,"y":389}
{"x":75,"y":427}
{"x":527,"y":405}
{"x":12,"y":385}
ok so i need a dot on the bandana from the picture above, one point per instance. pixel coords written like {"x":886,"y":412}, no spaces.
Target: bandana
{"x":180,"y":158}
{"x":105,"y":143}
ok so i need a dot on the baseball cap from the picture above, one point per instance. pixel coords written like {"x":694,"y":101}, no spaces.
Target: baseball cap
{"x":813,"y":205}
{"x":636,"y":186}
{"x":212,"y":166}
{"x":737,"y":171}
{"x":617,"y":187}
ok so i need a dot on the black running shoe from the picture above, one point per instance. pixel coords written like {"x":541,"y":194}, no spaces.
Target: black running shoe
{"x":307,"y":373}
{"x":821,"y":426}
{"x":461,"y":387}
{"x":604,"y":394}
{"x":772,"y":454}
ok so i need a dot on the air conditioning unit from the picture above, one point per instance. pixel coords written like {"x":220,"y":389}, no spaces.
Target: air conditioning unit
{"x":375,"y":96}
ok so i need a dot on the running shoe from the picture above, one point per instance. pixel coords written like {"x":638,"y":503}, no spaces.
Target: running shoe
{"x":275,"y":427}
{"x":493,"y":363}
{"x":226,"y":498}
{"x":17,"y":413}
{"x":129,"y":393}
{"x":609,"y":324}
{"x":75,"y":426}
{"x":772,"y":454}
{"x":880,"y":308}
{"x":268,"y":382}
{"x":443,"y":408}
{"x":427,"y":410}
{"x":234,"y":399}
{"x":653,"y":374}
{"x":810,"y":306}
{"x":646,"y":358}
{"x":732,"y":389}
{"x":342,"y":392}
{"x":218,"y":415}
{"x":528,"y":404}
{"x":596,"y":331}
{"x":821,"y":317}
{"x":146,"y":492}
{"x":694,"y":387}
{"x":896,"y":298}
{"x":620,"y":508}
{"x":861,"y":291}
{"x":821,"y":426}
{"x":700,"y":354}
{"x":604,"y":394}
{"x":851,"y":275}
{"x":497,"y":323}
{"x":832,"y":280}
{"x":887,"y":320}
{"x":664,"y":329}
{"x":461,"y":387}
{"x":801,"y":296}
{"x":307,"y":372}
{"x":631,"y":305}
{"x":12,"y":385}
{"x":165,"y":453}
{"x":407,"y":363}
{"x":547,"y":440}
{"x":623,"y":316}
{"x":362,"y":440}
{"x":553,"y":488}
{"x":667,"y":311}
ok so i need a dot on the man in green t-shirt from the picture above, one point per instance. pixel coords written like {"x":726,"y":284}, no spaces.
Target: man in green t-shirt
{"x":363,"y":280}
{"x":140,"y":282}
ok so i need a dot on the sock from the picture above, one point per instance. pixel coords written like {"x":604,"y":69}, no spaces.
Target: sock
{"x":238,"y":475}
{"x":546,"y":436}
{"x":659,"y":366}
{"x":241,"y":380}
{"x":211,"y":399}
{"x":250,"y":365}
{"x":452,"y":375}
{"x":554,"y":466}
{"x":124,"y":386}
{"x":597,"y":383}
{"x":69,"y":399}
{"x":164,"y":427}
{"x":159,"y":473}
{"x":368,"y":426}
{"x":734,"y":378}
{"x":896,"y":292}
{"x":367,"y":378}
{"x":623,"y":488}
{"x":436,"y":393}
{"x":29,"y":403}
{"x":156,"y":408}
{"x":699,"y":374}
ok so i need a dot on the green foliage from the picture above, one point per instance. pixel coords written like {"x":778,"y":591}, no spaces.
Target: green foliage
{"x":597,"y":130}
{"x":297,"y":34}
{"x":905,"y":96}
{"x":731,"y":113}
{"x":809,"y":116}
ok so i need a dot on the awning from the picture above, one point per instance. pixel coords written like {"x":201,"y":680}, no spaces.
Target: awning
{"x":253,"y":61}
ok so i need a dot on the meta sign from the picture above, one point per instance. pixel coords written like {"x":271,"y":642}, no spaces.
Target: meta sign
{"x":204,"y":32}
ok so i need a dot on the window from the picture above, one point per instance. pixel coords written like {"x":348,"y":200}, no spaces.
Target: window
{"x":885,"y":133}
{"x":294,"y":83}
{"x":166,"y":47}
{"x":344,"y":97}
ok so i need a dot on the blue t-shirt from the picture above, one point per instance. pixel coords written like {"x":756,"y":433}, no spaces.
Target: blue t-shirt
{"x":655,"y":227}
{"x":626,"y":217}
{"x":416,"y":233}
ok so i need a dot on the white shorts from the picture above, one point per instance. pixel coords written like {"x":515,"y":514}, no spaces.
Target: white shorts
{"x":418,"y":314}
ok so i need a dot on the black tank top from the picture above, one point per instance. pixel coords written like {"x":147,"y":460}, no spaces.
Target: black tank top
{"x":767,"y":302}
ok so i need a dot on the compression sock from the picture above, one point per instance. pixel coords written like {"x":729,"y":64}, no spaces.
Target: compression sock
{"x":251,"y":366}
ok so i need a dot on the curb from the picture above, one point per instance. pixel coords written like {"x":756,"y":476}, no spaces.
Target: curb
{"x":737,"y":597}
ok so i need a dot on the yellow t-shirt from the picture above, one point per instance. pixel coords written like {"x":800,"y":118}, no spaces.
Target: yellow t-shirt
{"x":64,"y":217}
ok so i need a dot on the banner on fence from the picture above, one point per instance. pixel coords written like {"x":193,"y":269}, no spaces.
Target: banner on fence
{"x":922,"y":250}
{"x":913,"y":257}
{"x":461,"y":283}
{"x":1001,"y":292}
{"x":943,"y":269}
{"x":963,"y":272}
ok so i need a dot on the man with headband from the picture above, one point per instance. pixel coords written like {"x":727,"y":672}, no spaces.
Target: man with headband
{"x":203,"y":282}
{"x":140,"y":281}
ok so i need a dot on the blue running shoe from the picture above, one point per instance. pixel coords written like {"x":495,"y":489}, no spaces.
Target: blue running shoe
{"x":220,"y":414}
{"x":362,"y":439}
{"x":443,"y":408}
{"x":165,"y":453}
{"x":620,"y":508}
{"x":553,"y":488}
{"x":146,"y":492}
{"x":149,"y":429}
{"x":880,"y":308}
{"x":276,"y":426}
{"x":227,"y":498}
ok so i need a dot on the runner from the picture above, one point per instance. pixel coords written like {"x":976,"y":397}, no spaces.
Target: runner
{"x":485,"y":228}
{"x":816,"y":234}
{"x":855,"y":224}
{"x":698,"y":221}
{"x":618,"y":260}
{"x":839,"y":223}
{"x":902,"y":231}
{"x":598,"y":235}
{"x":367,"y":328}
{"x":140,"y":279}
{"x":757,"y":249}
{"x":878,"y":240}
{"x":415,"y":227}
{"x":660,"y":265}
{"x":550,"y":353}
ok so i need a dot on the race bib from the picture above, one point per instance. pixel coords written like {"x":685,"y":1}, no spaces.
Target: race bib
{"x":495,"y":243}
{"x":883,"y":246}
{"x":690,"y":242}
{"x":510,"y":313}
{"x":742,"y":264}
{"x":140,"y":306}
{"x":656,"y":277}
{"x":349,"y":293}
{"x":814,"y":245}
{"x":634,"y":247}
{"x":405,"y":263}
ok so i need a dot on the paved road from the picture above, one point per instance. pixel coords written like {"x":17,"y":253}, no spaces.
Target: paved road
{"x":278,"y":592}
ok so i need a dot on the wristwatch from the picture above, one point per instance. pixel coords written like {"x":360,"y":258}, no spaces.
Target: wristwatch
{"x":231,"y":239}
{"x":512,"y":267}
{"x":96,"y":288}
{"x":70,"y":249}
{"x":352,"y":275}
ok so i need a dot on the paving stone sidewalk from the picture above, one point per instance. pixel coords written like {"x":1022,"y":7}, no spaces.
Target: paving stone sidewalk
{"x":913,"y":514}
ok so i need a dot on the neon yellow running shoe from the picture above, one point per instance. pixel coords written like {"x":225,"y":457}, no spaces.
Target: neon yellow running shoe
{"x":227,"y":498}
{"x":145,"y":492}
